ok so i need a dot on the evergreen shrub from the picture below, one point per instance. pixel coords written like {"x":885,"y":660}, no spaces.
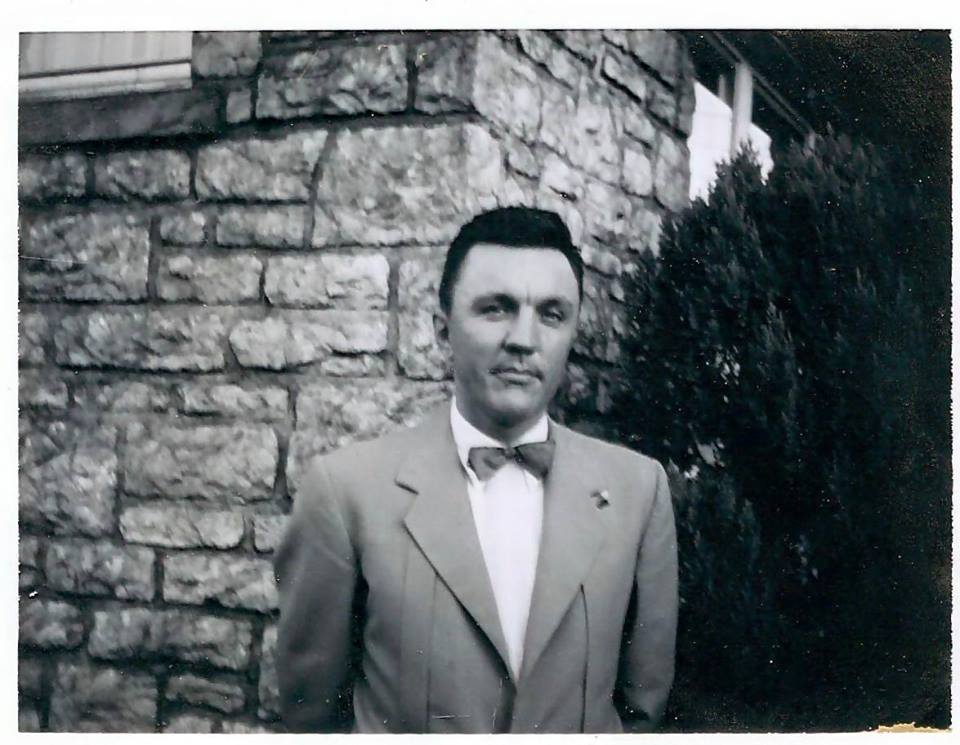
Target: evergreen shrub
{"x":777,"y":357}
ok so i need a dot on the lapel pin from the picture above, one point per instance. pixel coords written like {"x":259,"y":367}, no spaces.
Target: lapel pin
{"x":602,"y":498}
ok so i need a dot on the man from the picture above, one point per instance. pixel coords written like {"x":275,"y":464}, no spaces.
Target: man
{"x":488,"y":570}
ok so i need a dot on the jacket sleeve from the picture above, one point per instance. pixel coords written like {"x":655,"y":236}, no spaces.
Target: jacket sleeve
{"x":649,"y":644}
{"x":317,"y":573}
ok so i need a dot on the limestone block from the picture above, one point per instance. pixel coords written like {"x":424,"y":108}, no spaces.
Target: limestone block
{"x":68,"y":478}
{"x":230,"y":580}
{"x":559,"y":177}
{"x":268,"y":688}
{"x":366,"y":407}
{"x":582,"y":129}
{"x":419,"y":354}
{"x":658,"y":50}
{"x":246,"y":403}
{"x":602,"y":260}
{"x":157,"y":339}
{"x":559,"y":112}
{"x":97,"y":256}
{"x":561,"y":64}
{"x":662,"y":103}
{"x":337,"y":80}
{"x":187,"y":636}
{"x":30,"y":677}
{"x":143,"y":174}
{"x":333,"y":280}
{"x":521,"y":158}
{"x":295,"y":338}
{"x":606,"y":214}
{"x":268,"y":531}
{"x":61,"y":176}
{"x":271,"y":227}
{"x":443,"y":69}
{"x":646,"y":225}
{"x":625,"y":73}
{"x":222,"y":463}
{"x":239,"y":106}
{"x":672,"y":174}
{"x":261,"y":169}
{"x":50,"y":624}
{"x":209,"y":279}
{"x":584,"y":43}
{"x":42,"y":390}
{"x":88,"y":698}
{"x":32,"y":336}
{"x":354,"y":366}
{"x":635,"y":123}
{"x":183,"y":228}
{"x":405,"y":184}
{"x":601,"y":322}
{"x":594,"y":139}
{"x":637,"y":172}
{"x":122,"y":396}
{"x":506,"y":88}
{"x":219,"y":693}
{"x":190,"y":724}
{"x":224,"y":54}
{"x":87,"y":568}
{"x":31,"y":569}
{"x":181,"y":527}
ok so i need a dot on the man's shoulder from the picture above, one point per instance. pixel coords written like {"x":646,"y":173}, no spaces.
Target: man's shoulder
{"x":633,"y":479}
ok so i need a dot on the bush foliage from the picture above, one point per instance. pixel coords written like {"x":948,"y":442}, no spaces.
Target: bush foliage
{"x":781,"y":361}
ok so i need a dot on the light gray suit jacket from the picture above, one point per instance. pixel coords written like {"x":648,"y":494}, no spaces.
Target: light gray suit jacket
{"x":388,"y":621}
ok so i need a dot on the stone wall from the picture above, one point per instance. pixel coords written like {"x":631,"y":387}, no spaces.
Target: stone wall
{"x":218,"y":283}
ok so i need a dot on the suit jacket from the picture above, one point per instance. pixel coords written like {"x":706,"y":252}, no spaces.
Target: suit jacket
{"x":388,"y":621}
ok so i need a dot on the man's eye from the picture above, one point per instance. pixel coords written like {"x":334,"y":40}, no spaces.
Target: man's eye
{"x":554,"y":316}
{"x":492,"y":310}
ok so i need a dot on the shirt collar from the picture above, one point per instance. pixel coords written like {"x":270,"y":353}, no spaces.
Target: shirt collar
{"x":466,"y":436}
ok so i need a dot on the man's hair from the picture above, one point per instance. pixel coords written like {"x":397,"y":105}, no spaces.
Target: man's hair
{"x":517,"y":227}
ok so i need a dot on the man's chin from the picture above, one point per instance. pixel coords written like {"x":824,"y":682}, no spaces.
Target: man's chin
{"x":512,"y":411}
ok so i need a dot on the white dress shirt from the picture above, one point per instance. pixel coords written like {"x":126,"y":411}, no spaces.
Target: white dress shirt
{"x":508,"y":513}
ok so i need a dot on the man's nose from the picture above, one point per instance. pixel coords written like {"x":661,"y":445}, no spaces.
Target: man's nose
{"x":523,"y":334}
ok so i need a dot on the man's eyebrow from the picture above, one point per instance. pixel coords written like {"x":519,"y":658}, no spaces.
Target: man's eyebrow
{"x":495,"y":297}
{"x":555,"y":300}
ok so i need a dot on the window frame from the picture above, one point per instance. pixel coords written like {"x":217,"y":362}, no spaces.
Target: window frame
{"x":106,"y":63}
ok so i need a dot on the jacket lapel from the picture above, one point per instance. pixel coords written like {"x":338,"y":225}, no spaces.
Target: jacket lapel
{"x":441,"y":522}
{"x":573,"y":532}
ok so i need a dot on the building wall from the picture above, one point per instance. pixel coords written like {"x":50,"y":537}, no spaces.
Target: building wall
{"x":218,"y":283}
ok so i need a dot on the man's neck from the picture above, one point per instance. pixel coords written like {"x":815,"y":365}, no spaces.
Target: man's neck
{"x":505,"y":434}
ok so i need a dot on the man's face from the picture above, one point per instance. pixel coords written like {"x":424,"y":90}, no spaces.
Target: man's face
{"x":512,"y":321}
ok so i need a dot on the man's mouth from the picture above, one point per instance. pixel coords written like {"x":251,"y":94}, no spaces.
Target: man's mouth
{"x":516,"y":375}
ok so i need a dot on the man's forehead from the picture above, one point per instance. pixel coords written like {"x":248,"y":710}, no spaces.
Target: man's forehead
{"x":491,"y":267}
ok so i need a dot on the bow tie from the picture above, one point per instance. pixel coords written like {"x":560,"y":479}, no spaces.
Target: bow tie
{"x":534,"y":456}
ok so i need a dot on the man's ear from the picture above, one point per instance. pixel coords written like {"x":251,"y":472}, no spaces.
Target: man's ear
{"x":441,"y":328}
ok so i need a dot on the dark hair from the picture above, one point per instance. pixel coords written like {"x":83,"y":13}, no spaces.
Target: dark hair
{"x":518,"y":227}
